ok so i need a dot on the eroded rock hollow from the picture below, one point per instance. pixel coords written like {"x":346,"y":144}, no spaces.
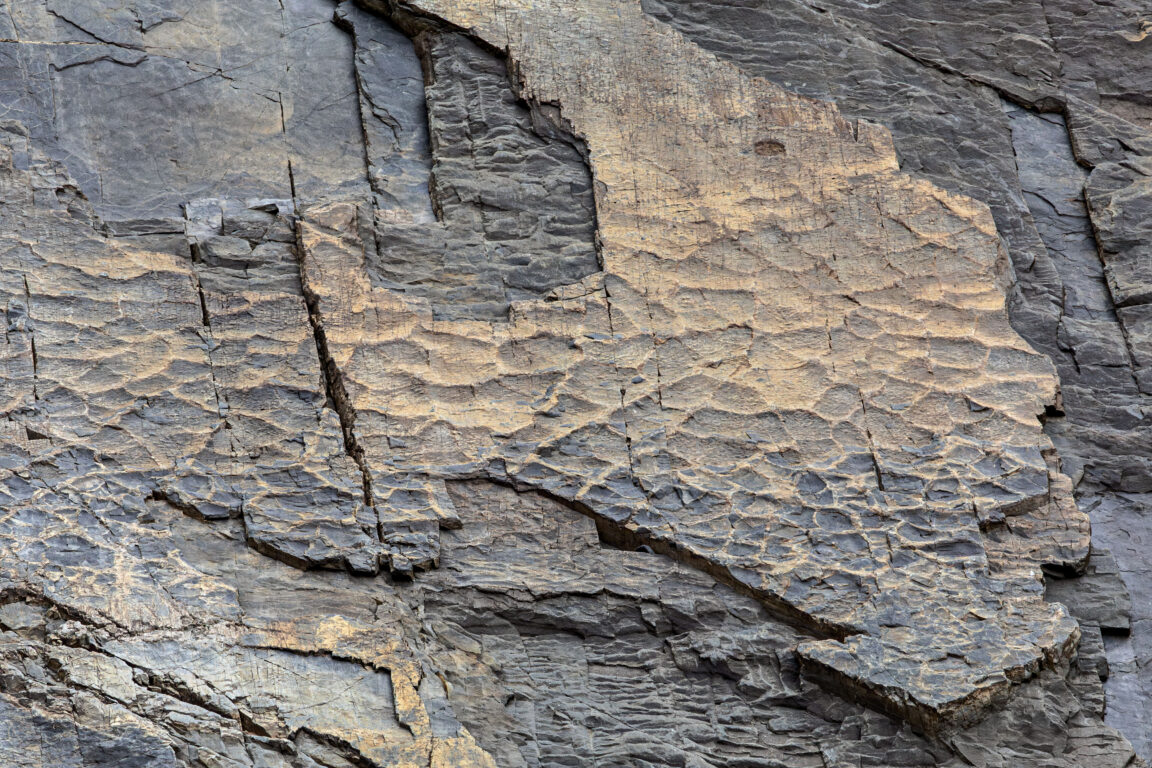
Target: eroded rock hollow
{"x":552,"y":383}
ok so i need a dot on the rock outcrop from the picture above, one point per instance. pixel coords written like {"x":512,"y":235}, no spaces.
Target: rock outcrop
{"x":532,"y":383}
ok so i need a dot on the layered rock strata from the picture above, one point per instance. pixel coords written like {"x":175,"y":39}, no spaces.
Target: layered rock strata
{"x":1028,"y":107}
{"x":472,"y":375}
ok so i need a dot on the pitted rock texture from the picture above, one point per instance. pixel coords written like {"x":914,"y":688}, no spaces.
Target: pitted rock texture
{"x":1064,"y":73}
{"x":793,"y":303}
{"x":410,"y":392}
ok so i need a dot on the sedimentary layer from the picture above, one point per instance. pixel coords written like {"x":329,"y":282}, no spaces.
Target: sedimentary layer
{"x":536,"y":383}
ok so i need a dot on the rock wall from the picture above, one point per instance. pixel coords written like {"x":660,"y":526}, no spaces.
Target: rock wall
{"x":1032,"y":108}
{"x":537,"y":383}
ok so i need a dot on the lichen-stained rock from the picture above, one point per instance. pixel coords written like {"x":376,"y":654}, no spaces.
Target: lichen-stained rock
{"x":770,"y":279}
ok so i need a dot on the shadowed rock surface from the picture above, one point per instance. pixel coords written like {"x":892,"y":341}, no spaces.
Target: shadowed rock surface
{"x":445,"y":383}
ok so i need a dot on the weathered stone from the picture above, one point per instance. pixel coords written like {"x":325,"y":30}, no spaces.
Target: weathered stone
{"x":1098,"y":597}
{"x":918,"y":69}
{"x":1120,"y":195}
{"x":641,"y":315}
{"x":648,"y":393}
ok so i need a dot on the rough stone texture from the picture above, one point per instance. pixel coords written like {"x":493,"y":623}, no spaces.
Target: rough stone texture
{"x":478,"y":201}
{"x":638,"y":401}
{"x":450,"y":383}
{"x":935,"y":74}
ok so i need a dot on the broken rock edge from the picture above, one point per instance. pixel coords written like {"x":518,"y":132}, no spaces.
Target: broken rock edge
{"x":929,"y":719}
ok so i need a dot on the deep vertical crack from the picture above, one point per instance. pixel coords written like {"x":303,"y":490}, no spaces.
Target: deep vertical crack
{"x":32,"y":339}
{"x":332,"y":376}
{"x":292,"y":186}
{"x":205,"y":318}
{"x":222,"y":407}
{"x":871,"y":444}
{"x":287,"y":150}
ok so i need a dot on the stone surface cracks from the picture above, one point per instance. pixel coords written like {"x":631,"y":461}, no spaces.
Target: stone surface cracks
{"x":537,"y":383}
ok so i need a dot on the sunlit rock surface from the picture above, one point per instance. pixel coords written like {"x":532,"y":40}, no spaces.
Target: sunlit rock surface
{"x":526,"y":382}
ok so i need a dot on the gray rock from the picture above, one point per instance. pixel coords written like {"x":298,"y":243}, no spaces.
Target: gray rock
{"x":889,"y":61}
{"x":1099,"y":597}
{"x":509,"y":189}
{"x":195,"y":490}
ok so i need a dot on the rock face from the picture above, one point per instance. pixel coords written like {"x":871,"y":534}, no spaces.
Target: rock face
{"x":539,"y":383}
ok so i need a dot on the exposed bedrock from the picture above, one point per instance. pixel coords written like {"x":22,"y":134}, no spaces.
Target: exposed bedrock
{"x":531,"y":383}
{"x":937,"y":76}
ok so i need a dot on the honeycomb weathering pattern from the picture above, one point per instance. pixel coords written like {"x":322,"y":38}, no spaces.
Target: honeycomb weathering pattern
{"x":795,"y":369}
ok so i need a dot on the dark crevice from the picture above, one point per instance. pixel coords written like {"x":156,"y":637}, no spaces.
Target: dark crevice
{"x":32,"y":434}
{"x":183,"y":507}
{"x":250,"y":726}
{"x":173,"y":687}
{"x":162,"y":684}
{"x":333,"y":379}
{"x":614,"y":535}
{"x":25,"y":593}
{"x":206,"y":322}
{"x":108,"y":58}
{"x":346,"y":750}
{"x":32,"y":340}
{"x":94,"y":36}
{"x":205,"y":319}
{"x":35,"y":366}
{"x":291,"y":173}
{"x":875,"y":462}
{"x":292,"y":185}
